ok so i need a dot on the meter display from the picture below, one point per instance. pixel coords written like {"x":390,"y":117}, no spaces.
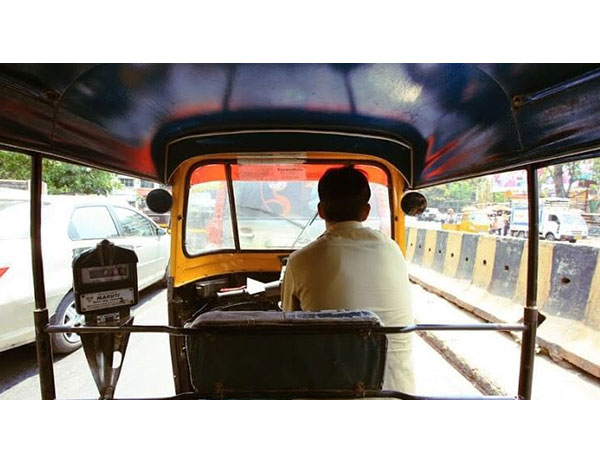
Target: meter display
{"x":104,"y":274}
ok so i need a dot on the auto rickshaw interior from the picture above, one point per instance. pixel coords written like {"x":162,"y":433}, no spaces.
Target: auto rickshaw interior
{"x":242,"y":144}
{"x":238,"y":219}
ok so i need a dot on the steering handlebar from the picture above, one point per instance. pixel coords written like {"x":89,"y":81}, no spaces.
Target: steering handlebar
{"x":253,"y":288}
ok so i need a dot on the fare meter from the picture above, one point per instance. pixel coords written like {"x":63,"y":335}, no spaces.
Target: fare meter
{"x":105,"y":283}
{"x":105,"y":288}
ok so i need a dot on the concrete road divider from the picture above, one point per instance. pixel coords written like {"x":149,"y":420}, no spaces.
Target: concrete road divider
{"x":484,"y":261}
{"x":452,"y":254}
{"x":573,"y":268}
{"x":468,"y":251}
{"x":488,"y":275}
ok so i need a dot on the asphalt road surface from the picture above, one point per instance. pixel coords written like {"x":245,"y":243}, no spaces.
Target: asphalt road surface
{"x":146,"y":368}
{"x":147,"y":372}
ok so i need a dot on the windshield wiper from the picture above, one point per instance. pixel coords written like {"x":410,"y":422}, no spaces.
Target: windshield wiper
{"x":269,"y":213}
{"x":306,"y":226}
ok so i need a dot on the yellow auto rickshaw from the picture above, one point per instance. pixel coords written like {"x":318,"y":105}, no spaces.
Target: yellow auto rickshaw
{"x":475,"y":222}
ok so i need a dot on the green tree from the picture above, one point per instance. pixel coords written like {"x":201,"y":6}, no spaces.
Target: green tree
{"x":14,"y":166}
{"x":61,"y":178}
{"x":456,"y":195}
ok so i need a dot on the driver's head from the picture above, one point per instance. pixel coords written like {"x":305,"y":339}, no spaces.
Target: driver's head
{"x":344,"y":195}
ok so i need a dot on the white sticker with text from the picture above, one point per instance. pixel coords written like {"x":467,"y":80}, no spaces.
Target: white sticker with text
{"x":106,"y":299}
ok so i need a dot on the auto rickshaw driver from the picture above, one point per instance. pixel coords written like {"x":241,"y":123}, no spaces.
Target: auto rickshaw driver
{"x":354,"y":267}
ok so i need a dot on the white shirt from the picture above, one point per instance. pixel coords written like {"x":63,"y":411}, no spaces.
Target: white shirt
{"x":355,"y":267}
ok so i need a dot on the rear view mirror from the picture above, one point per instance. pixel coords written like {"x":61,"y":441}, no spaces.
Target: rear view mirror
{"x":413,"y":203}
{"x":159,"y":201}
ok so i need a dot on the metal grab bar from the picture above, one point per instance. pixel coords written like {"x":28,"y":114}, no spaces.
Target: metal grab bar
{"x":281,"y":329}
{"x":318,"y":395}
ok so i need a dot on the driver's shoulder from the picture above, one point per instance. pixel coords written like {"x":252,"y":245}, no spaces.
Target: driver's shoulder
{"x":308,"y":252}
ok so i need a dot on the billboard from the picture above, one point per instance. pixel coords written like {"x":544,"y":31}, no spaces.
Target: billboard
{"x":513,"y":181}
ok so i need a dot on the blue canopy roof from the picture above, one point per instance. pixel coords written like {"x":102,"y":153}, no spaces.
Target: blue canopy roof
{"x":435,"y":122}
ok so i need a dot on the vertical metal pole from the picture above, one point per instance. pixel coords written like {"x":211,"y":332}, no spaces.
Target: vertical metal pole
{"x":40,"y":314}
{"x":531,"y":310}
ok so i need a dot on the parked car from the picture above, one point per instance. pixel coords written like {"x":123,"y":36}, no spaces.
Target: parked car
{"x":70,"y":225}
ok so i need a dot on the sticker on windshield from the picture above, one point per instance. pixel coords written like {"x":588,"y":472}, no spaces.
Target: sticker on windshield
{"x":270,"y":172}
{"x":106,"y":299}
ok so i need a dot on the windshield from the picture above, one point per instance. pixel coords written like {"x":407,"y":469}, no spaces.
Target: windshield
{"x":571,"y":219}
{"x":275,"y":206}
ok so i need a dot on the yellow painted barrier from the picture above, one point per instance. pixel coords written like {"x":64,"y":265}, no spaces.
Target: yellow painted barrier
{"x":544,"y":274}
{"x":411,"y":244}
{"x":484,"y":261}
{"x":429,"y":249}
{"x":452,"y":257}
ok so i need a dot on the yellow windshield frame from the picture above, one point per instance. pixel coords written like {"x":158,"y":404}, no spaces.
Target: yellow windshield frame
{"x":187,"y":269}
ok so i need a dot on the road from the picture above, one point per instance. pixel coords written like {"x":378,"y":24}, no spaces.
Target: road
{"x":494,"y":357}
{"x":147,"y":368}
{"x":491,"y":359}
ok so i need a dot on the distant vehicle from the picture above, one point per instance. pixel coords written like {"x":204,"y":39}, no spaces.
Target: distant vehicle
{"x":70,"y":225}
{"x":557,"y":221}
{"x":476,"y":222}
{"x":431,"y":214}
{"x":593,"y":223}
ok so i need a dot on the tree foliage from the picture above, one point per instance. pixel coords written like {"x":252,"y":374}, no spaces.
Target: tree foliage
{"x":61,"y":178}
{"x":561,"y":179}
{"x":558,"y":173}
{"x":14,"y":166}
{"x":460,"y":194}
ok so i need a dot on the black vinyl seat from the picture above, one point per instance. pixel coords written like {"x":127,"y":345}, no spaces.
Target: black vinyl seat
{"x":327,"y":352}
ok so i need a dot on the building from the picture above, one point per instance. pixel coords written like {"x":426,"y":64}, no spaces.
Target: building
{"x":134,"y":190}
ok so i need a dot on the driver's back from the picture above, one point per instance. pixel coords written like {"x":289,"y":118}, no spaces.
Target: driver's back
{"x":354,"y":267}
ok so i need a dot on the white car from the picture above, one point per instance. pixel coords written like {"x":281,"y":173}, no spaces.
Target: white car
{"x":70,"y":225}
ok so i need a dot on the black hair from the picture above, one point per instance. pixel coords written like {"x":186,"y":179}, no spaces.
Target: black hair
{"x":343,"y":193}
